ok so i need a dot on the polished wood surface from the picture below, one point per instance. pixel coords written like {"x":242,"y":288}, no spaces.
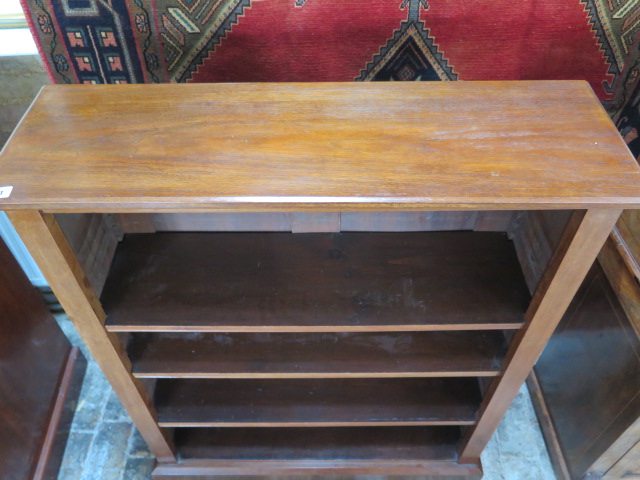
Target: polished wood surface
{"x":62,"y":413}
{"x":278,"y":282}
{"x":349,"y":443}
{"x":536,"y":235}
{"x":624,"y":283}
{"x":324,"y":146}
{"x":310,"y":470}
{"x":627,"y":237}
{"x":591,"y":369}
{"x":134,"y":222}
{"x":317,"y":355}
{"x":397,"y":221}
{"x":314,"y":470}
{"x":602,"y":323}
{"x":39,"y":379}
{"x":578,"y":248}
{"x":93,"y":240}
{"x":336,"y":151}
{"x":315,"y":222}
{"x":321,"y":403}
{"x":48,"y":246}
{"x":318,"y":451}
{"x":212,"y":469}
{"x":551,"y":439}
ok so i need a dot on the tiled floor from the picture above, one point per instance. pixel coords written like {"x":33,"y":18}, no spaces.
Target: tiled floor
{"x":104,"y":445}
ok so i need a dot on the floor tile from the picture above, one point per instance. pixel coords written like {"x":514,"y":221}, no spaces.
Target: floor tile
{"x":138,"y":468}
{"x":91,"y":403}
{"x":78,"y":445}
{"x":109,"y":448}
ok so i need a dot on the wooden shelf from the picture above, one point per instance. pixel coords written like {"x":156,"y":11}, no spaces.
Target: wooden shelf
{"x":281,"y":282}
{"x":383,"y":443}
{"x":317,"y":403}
{"x":317,"y":355}
{"x":305,"y":451}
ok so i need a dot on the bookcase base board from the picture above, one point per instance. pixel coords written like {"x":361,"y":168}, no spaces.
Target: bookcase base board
{"x":213,"y":469}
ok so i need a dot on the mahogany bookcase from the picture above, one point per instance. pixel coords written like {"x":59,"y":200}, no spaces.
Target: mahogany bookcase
{"x":318,"y":278}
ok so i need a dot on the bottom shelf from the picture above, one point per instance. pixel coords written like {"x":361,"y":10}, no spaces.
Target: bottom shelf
{"x":348,"y":443}
{"x":348,"y":450}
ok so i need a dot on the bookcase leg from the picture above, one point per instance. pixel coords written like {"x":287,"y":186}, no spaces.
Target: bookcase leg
{"x":581,"y":242}
{"x":47,"y":244}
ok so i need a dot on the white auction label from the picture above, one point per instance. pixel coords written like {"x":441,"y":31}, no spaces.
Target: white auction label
{"x":5,"y":191}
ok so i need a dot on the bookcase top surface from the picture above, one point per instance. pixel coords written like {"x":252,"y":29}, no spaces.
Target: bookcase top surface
{"x":318,"y":146}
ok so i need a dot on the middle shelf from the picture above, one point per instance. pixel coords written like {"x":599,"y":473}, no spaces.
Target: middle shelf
{"x":317,"y":355}
{"x":317,"y":403}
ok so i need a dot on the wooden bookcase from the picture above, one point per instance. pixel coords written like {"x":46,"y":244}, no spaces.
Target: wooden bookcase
{"x":318,"y":278}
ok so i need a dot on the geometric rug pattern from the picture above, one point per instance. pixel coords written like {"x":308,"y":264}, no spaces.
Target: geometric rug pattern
{"x":145,"y":41}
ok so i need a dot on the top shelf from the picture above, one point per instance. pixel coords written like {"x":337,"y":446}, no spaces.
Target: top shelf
{"x":322,"y":147}
{"x":283,"y":282}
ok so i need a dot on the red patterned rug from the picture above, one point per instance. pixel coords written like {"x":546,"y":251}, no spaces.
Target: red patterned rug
{"x":135,"y":41}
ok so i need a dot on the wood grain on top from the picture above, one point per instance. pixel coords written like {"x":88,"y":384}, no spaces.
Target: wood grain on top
{"x":328,"y":146}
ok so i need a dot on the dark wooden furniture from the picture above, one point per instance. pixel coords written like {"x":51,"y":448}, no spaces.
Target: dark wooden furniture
{"x":590,"y":369}
{"x":369,"y":339}
{"x":40,"y":378}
